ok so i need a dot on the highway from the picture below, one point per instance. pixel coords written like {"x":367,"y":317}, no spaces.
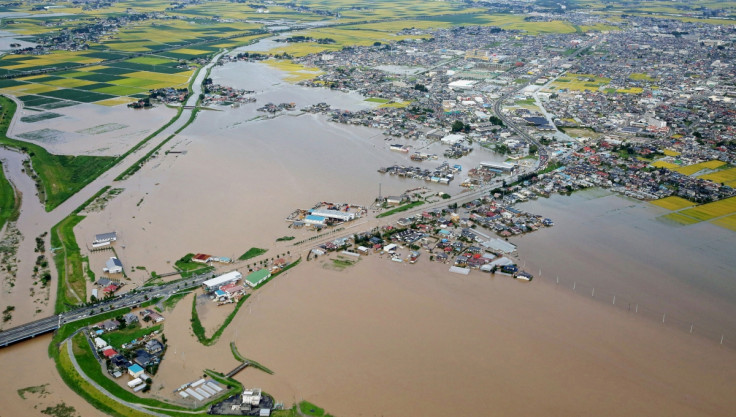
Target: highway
{"x":133,"y":298}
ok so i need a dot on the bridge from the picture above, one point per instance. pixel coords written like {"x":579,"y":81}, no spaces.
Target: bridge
{"x":130,"y":299}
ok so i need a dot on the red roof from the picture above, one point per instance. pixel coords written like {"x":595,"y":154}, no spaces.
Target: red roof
{"x":201,"y":257}
{"x":110,"y":288}
{"x":109,"y":352}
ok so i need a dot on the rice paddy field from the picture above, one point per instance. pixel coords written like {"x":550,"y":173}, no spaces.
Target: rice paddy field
{"x":580,"y":82}
{"x":673,"y":203}
{"x":712,"y":210}
{"x":692,"y":169}
{"x":725,"y":176}
{"x":720,"y":213}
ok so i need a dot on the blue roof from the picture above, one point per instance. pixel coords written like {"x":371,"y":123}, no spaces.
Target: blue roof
{"x":444,"y":232}
{"x":135,"y":368}
{"x":315,"y":218}
{"x":220,"y":292}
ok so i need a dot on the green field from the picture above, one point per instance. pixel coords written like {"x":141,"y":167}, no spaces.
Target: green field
{"x":399,"y":209}
{"x":120,"y":337}
{"x":252,"y":253}
{"x":8,"y":200}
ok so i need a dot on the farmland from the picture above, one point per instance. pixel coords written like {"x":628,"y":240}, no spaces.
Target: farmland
{"x":726,"y":176}
{"x":580,"y":82}
{"x":672,"y":203}
{"x":712,"y":210}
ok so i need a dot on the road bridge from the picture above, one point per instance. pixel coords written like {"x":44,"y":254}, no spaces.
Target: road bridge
{"x":133,"y":298}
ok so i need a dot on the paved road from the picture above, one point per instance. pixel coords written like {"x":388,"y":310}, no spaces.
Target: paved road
{"x":130,"y":299}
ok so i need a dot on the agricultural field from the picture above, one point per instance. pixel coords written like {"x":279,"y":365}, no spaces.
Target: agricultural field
{"x":712,"y":210}
{"x":680,"y":219}
{"x":579,"y":82}
{"x":692,"y":169}
{"x":638,"y":76}
{"x":728,"y":222}
{"x":665,"y":164}
{"x":630,"y":90}
{"x":673,"y":203}
{"x":670,"y":152}
{"x":725,"y":176}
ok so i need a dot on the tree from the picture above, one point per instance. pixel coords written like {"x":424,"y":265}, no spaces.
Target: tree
{"x":533,"y":149}
{"x":496,"y":121}
{"x":458,"y":126}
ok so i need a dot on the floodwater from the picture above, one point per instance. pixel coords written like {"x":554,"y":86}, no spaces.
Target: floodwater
{"x":618,"y":246}
{"x":90,"y":129}
{"x":243,"y":173}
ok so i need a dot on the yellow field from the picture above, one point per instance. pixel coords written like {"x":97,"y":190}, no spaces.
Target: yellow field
{"x":630,"y":90}
{"x":640,"y":77}
{"x":670,"y":152}
{"x":116,"y":101}
{"x":69,"y":83}
{"x":726,"y":176}
{"x":187,"y":51}
{"x":712,"y":210}
{"x":580,"y":82}
{"x":691,"y":169}
{"x":672,"y":203}
{"x":396,"y":105}
{"x":665,"y":164}
{"x":729,"y":222}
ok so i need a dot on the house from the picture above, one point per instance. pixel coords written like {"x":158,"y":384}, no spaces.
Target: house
{"x":99,"y":343}
{"x":130,"y":318}
{"x":257,"y":277}
{"x":109,"y":353}
{"x":154,"y":347}
{"x":103,"y":282}
{"x":231,"y":290}
{"x":109,"y":325}
{"x":202,"y":258}
{"x":135,"y":371}
{"x":119,"y":363}
{"x":279,"y":263}
{"x":143,"y":358}
{"x":113,"y":266}
{"x":155,"y":317}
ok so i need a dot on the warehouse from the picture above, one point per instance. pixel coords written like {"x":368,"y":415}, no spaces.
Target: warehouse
{"x":113,"y":266}
{"x":257,"y":277}
{"x":314,"y":220}
{"x":334,"y":214}
{"x":217,"y":282}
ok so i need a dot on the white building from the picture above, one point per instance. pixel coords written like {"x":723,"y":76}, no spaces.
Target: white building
{"x":113,"y":266}
{"x":452,"y":139}
{"x":462,"y":84}
{"x":334,"y":214}
{"x":224,"y":279}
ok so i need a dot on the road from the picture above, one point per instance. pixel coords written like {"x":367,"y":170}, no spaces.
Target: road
{"x":130,"y":299}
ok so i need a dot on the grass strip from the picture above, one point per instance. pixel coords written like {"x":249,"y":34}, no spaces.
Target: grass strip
{"x":275,"y":274}
{"x":399,"y":209}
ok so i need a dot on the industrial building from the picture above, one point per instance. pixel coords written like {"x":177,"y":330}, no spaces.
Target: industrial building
{"x":257,"y":277}
{"x":334,"y":214}
{"x":217,"y":282}
{"x":499,"y":166}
